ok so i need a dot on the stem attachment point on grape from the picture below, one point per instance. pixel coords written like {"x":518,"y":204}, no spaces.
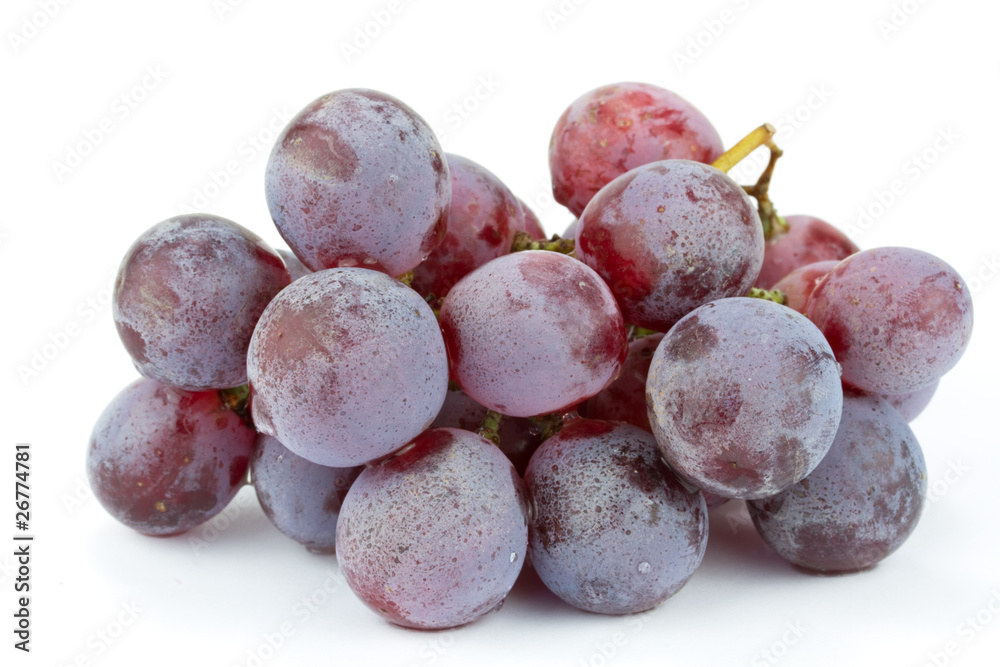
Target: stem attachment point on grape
{"x":490,"y":428}
{"x":774,"y":295}
{"x":523,"y":241}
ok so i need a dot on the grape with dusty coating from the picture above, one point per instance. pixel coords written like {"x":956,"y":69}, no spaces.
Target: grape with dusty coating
{"x":860,"y":504}
{"x":532,"y":224}
{"x":532,"y":333}
{"x":912,"y":404}
{"x":187,"y":298}
{"x":357,"y":178}
{"x":163,"y":460}
{"x":301,"y":498}
{"x":669,"y":236}
{"x":482,"y":220}
{"x":618,"y":127}
{"x":519,"y":437}
{"x":625,"y":399}
{"x":612,"y":531}
{"x":897,"y":318}
{"x":806,"y":240}
{"x":799,"y":285}
{"x":346,"y":366}
{"x":435,"y":536}
{"x":744,"y":397}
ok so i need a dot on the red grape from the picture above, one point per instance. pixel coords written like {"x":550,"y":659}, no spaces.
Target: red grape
{"x":799,"y":285}
{"x":625,"y":398}
{"x":807,"y":240}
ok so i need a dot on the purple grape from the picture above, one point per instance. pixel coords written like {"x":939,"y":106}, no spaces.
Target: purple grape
{"x":670,"y":236}
{"x":912,"y":404}
{"x":860,"y":504}
{"x":346,"y":366}
{"x":482,"y":221}
{"x":612,"y":530}
{"x":187,"y":297}
{"x":301,"y":498}
{"x":296,"y":269}
{"x":897,"y":318}
{"x":806,"y":241}
{"x":532,"y":333}
{"x":618,"y":127}
{"x":532,"y":224}
{"x":799,"y":285}
{"x":744,"y":397}
{"x":163,"y":460}
{"x":519,"y":437}
{"x":435,"y":536}
{"x":357,"y":178}
{"x":624,"y":399}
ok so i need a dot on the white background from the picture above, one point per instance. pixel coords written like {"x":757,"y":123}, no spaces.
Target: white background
{"x":867,"y":100}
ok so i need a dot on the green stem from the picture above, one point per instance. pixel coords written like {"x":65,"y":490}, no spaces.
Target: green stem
{"x":523,"y":241}
{"x":774,"y":295}
{"x":490,"y":428}
{"x":237,"y":399}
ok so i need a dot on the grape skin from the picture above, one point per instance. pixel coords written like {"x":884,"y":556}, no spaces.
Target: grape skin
{"x":296,"y":269}
{"x":612,"y":531}
{"x":670,"y":236}
{"x":187,"y":297}
{"x":357,"y":178}
{"x":897,"y":318}
{"x":532,"y":224}
{"x":435,"y":536}
{"x":860,"y":504}
{"x":346,"y":366}
{"x":799,"y":284}
{"x":532,"y":332}
{"x":615,"y":128}
{"x":625,"y":399}
{"x":302,"y":499}
{"x":806,"y":241}
{"x":162,"y":460}
{"x":482,"y":220}
{"x":519,"y":437}
{"x":910,"y":405}
{"x":744,"y":397}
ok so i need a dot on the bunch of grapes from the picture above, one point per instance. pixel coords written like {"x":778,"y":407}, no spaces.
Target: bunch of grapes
{"x":427,"y":387}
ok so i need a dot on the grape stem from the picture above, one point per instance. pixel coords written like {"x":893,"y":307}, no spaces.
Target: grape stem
{"x":490,"y":428}
{"x":406,"y":278}
{"x":636,"y":332}
{"x":748,"y":144}
{"x":774,"y":295}
{"x":237,"y":399}
{"x":523,"y":241}
{"x":769,"y":218}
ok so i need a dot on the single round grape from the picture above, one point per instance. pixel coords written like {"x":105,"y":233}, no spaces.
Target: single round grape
{"x":296,"y":269}
{"x":519,"y":437}
{"x":482,"y":221}
{"x":807,"y":240}
{"x":163,"y":460}
{"x":860,"y":504}
{"x":532,"y":333}
{"x":744,"y":397}
{"x":435,"y":536}
{"x":532,"y":224}
{"x":357,"y":178}
{"x":619,"y":127}
{"x":612,"y":530}
{"x":897,"y":318}
{"x":624,"y":399}
{"x":912,"y":404}
{"x":301,"y":498}
{"x":670,"y":236}
{"x":799,"y":285}
{"x":346,"y":366}
{"x":187,"y":297}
